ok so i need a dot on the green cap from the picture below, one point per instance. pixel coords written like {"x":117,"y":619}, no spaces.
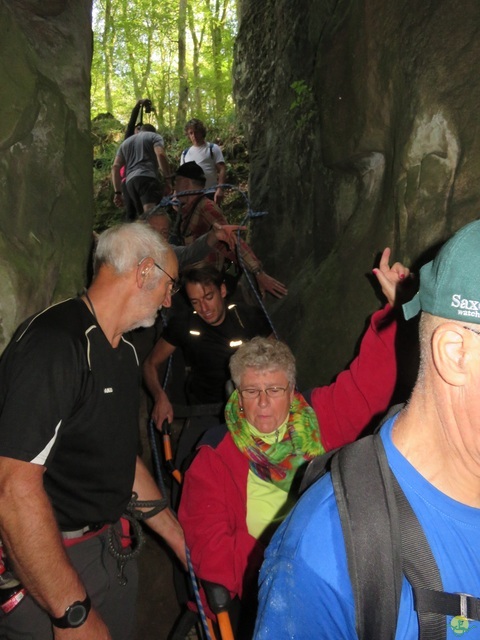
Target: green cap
{"x":450,"y":284}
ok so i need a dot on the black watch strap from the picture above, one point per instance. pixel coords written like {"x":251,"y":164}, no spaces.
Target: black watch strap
{"x":75,"y":615}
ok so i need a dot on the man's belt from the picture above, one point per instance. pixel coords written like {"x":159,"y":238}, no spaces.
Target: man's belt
{"x":79,"y":533}
{"x":185,"y":411}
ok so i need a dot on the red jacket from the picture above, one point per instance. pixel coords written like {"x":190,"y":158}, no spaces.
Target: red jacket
{"x":213,"y":507}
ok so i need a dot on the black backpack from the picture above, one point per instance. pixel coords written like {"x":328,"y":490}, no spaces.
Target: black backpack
{"x":384,"y":541}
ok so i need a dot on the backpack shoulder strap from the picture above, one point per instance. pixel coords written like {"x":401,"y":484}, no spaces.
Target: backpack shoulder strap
{"x":421,"y":570}
{"x":184,"y":153}
{"x":363,"y":489}
{"x":384,"y":541}
{"x":316,"y":468}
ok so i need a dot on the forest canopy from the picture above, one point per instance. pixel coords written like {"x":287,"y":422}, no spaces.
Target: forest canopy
{"x":178,"y":53}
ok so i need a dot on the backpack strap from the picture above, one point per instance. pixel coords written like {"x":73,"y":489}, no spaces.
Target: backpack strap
{"x":316,"y":468}
{"x":420,"y":569}
{"x":384,"y":541}
{"x":210,"y":146}
{"x":362,"y":483}
{"x":432,"y":603}
{"x":447,"y":604}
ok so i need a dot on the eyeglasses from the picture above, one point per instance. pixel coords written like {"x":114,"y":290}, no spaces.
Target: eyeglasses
{"x":472,"y":330}
{"x":271,"y":392}
{"x":175,"y":283}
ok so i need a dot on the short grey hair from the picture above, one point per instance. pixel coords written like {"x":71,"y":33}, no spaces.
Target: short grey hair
{"x":124,"y":246}
{"x":263,"y":354}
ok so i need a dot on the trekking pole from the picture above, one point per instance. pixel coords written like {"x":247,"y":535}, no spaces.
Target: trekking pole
{"x":167,"y":449}
{"x":225,"y":625}
{"x":156,"y":457}
{"x":218,"y":598}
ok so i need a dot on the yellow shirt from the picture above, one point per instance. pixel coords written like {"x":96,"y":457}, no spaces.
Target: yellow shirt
{"x":267,"y":505}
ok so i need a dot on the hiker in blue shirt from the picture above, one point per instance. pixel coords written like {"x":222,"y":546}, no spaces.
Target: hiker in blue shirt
{"x":432,"y":446}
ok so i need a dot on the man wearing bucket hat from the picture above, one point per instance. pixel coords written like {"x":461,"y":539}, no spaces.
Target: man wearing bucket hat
{"x":432,"y":448}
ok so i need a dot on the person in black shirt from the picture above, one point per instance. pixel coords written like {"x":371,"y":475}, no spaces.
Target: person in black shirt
{"x":69,"y":400}
{"x":208,"y":335}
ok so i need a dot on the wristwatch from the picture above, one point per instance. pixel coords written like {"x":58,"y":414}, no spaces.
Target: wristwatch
{"x":74,"y":616}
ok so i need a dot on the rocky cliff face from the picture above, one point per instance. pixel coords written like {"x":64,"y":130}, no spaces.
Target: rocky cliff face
{"x":46,"y":165}
{"x":362,"y":124}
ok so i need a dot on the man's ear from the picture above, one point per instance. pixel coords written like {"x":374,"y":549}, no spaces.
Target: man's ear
{"x":143,"y":269}
{"x":450,"y":353}
{"x":223,"y":290}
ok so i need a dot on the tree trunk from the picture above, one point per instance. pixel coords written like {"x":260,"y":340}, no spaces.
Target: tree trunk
{"x":197,"y":45}
{"x":217,"y":22}
{"x":182,"y":67}
{"x":107,"y":44}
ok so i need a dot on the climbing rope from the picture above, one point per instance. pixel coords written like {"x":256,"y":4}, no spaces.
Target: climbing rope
{"x":134,"y":516}
{"x":196,"y":591}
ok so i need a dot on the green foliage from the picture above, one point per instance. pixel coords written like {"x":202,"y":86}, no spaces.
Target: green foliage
{"x":139,"y":46}
{"x":303,"y":104}
{"x":136,"y":55}
{"x":107,"y":135}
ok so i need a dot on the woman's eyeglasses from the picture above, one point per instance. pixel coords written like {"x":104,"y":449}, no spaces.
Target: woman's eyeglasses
{"x":271,"y":392}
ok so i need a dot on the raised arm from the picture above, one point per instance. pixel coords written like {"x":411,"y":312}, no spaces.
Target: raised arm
{"x":365,"y":389}
{"x":130,"y":130}
{"x":162,"y":409}
{"x":392,"y":279}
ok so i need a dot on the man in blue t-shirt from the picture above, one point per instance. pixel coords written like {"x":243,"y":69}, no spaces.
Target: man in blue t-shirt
{"x":433,"y":449}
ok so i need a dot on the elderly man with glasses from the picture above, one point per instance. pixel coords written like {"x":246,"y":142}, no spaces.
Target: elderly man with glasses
{"x":69,"y":402}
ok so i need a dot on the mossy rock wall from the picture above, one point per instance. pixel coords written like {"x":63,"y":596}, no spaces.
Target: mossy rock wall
{"x":362,"y":122}
{"x":45,"y":154}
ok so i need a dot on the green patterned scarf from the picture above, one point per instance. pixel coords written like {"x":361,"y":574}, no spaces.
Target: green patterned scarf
{"x":278,"y":462}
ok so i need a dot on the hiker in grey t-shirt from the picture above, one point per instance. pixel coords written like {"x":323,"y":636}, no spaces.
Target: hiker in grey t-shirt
{"x":140,"y":158}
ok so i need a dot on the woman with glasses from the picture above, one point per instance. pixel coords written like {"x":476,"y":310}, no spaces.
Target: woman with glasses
{"x":244,"y":479}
